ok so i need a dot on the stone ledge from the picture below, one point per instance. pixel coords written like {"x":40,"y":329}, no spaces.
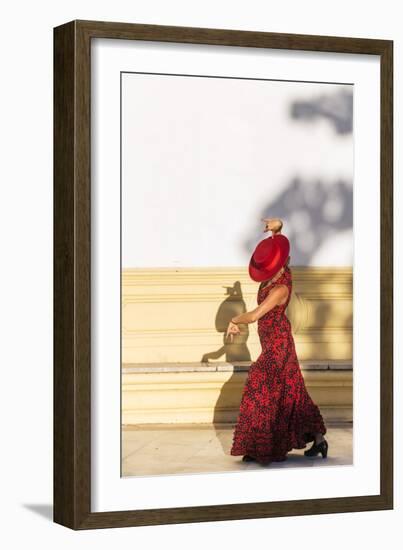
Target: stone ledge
{"x":222,"y":366}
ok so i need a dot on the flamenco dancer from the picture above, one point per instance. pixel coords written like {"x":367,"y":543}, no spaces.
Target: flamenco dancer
{"x":276,"y":413}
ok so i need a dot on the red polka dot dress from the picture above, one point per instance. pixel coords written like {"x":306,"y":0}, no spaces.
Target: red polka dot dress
{"x":276,"y":413}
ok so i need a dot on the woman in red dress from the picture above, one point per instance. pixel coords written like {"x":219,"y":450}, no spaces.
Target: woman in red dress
{"x":276,"y":413}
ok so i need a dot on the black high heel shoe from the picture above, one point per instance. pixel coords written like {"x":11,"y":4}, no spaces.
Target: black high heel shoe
{"x":247,"y":458}
{"x":321,"y":447}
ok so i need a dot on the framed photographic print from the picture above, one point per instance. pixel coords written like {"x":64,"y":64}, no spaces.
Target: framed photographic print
{"x":223,"y":274}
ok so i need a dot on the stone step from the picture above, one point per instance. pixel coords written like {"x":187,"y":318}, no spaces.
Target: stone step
{"x":223,"y":366}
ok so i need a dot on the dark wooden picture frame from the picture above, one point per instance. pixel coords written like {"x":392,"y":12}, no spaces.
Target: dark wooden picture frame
{"x":72,"y":271}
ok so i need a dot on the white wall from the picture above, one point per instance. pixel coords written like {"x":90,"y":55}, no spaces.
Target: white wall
{"x":26,"y":274}
{"x":204,"y":159}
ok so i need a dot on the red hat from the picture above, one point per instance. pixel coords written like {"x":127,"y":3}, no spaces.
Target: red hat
{"x":269,"y":257}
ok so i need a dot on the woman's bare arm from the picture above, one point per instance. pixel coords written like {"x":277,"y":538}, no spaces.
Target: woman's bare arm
{"x":275,"y":297}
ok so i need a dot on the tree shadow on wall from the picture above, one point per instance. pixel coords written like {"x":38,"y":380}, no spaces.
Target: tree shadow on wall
{"x":312,"y":211}
{"x":233,"y":305}
{"x":337,"y":108}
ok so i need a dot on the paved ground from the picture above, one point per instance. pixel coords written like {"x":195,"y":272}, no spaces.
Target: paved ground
{"x":161,"y":449}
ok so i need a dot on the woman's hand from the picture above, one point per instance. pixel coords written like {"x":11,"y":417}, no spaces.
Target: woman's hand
{"x":231,"y":330}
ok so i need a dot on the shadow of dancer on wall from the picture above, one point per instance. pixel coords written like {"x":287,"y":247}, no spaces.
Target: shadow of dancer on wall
{"x":233,"y":305}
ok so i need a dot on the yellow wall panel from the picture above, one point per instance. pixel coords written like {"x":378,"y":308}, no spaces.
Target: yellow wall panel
{"x":180,"y":314}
